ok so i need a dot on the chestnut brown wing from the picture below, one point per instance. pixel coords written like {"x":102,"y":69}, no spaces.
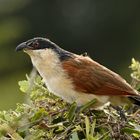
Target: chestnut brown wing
{"x":89,"y":76}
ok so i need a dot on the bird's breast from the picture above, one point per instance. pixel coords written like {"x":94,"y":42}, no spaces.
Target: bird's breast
{"x":62,"y":87}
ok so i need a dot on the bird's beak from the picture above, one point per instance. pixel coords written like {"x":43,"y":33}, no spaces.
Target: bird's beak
{"x":21,"y":46}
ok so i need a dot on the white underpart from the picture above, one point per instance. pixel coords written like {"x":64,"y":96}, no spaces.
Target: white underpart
{"x":56,"y":79}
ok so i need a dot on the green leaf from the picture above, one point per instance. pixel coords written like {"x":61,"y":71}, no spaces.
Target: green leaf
{"x":88,"y":105}
{"x":72,"y":111}
{"x":39,"y":114}
{"x":24,"y":85}
{"x":130,"y":130}
{"x":78,"y":128}
{"x":87,"y":123}
{"x":74,"y":136}
{"x":93,"y":127}
{"x":38,"y":80}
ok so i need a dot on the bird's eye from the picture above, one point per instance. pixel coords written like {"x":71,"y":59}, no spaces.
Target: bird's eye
{"x":35,"y":45}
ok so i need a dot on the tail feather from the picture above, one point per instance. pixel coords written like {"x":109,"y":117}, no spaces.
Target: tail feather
{"x":135,"y":100}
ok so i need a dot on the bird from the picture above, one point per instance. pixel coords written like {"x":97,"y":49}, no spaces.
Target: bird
{"x":77,"y":78}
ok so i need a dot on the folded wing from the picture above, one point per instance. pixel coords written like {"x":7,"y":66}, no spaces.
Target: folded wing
{"x":90,"y":77}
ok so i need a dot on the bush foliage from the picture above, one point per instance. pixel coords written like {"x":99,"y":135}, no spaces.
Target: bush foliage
{"x":47,"y":117}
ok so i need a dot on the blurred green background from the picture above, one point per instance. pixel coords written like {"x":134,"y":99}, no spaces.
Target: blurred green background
{"x":109,"y":31}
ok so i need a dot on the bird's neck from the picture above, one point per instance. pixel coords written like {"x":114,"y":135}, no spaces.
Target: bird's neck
{"x":63,"y":54}
{"x":47,"y":62}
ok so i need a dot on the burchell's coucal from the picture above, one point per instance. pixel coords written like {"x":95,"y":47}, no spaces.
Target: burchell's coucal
{"x":76,"y":77}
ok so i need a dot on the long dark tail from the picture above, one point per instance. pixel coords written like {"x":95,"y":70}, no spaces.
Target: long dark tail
{"x":135,"y":100}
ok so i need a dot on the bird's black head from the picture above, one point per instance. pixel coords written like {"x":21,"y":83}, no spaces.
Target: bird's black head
{"x":36,"y":44}
{"x":39,"y":43}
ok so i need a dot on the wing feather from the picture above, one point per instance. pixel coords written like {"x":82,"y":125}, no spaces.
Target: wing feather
{"x":90,"y":77}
